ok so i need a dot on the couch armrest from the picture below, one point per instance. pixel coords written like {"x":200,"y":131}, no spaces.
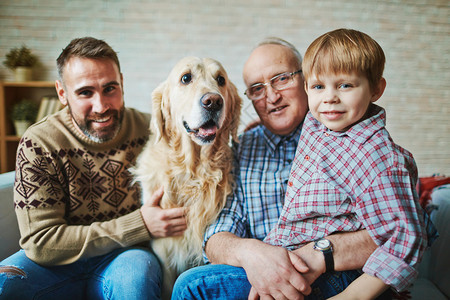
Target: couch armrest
{"x":440,"y":259}
{"x":9,"y":233}
{"x":433,"y":270}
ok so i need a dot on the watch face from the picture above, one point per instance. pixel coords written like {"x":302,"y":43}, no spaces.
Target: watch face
{"x":323,"y":244}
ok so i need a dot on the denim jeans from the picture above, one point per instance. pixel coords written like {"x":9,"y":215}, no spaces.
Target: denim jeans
{"x":127,"y":273}
{"x":228,"y":282}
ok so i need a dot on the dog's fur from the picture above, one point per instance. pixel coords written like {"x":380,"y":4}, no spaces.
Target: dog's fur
{"x":195,"y":113}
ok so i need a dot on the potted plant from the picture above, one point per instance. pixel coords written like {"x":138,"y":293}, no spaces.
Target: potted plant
{"x":23,"y":115}
{"x":21,"y":60}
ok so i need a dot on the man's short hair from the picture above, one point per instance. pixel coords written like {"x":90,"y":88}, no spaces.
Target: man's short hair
{"x":86,"y":47}
{"x":280,"y":41}
{"x":345,"y":51}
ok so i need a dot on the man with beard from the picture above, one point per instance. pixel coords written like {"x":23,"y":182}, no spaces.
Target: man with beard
{"x":78,"y":210}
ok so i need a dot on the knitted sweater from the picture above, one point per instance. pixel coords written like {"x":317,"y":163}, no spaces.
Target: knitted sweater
{"x":73,"y":197}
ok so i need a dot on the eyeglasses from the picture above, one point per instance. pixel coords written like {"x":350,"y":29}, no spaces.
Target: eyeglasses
{"x":280,"y":82}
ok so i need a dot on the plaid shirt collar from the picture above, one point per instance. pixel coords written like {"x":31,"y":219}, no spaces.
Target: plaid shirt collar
{"x":273,"y":140}
{"x":361,"y":131}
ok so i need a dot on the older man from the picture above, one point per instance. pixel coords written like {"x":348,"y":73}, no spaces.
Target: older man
{"x":242,"y":265}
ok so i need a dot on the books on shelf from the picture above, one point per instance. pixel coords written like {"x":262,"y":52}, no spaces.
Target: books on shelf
{"x":49,"y":105}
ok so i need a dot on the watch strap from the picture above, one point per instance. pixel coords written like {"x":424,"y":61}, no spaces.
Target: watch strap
{"x":329,"y":260}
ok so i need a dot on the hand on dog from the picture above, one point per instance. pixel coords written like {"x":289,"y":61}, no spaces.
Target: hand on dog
{"x":162,"y":222}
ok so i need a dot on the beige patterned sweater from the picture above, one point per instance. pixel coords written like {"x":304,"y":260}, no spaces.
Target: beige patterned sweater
{"x":74,"y":197}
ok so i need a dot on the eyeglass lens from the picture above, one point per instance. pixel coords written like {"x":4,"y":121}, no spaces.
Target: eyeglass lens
{"x":279,"y":83}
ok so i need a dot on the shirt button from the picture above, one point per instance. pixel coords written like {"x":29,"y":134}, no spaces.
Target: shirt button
{"x":307,"y":157}
{"x":327,"y":134}
{"x":290,"y":183}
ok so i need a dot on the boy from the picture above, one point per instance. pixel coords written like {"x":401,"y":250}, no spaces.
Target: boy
{"x":348,"y":174}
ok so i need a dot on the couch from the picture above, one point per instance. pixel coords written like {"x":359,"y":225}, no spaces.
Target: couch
{"x":9,"y":230}
{"x":434,"y":272}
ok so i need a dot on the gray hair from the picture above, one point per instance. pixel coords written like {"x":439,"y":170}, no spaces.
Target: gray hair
{"x":280,"y":41}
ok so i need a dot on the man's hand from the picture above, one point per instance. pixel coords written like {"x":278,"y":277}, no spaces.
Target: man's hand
{"x":162,"y":222}
{"x":275,"y":273}
{"x":313,"y":259}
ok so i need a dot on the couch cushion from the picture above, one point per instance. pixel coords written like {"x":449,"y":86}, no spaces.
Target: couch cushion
{"x":440,"y":259}
{"x":9,"y":233}
{"x":425,"y":289}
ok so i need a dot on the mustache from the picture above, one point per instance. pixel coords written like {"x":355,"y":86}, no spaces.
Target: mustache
{"x":108,"y":113}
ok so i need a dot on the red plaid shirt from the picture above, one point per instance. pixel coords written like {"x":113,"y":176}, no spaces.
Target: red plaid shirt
{"x":347,"y":181}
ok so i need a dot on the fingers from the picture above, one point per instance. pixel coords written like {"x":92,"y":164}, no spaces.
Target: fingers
{"x":298,"y":263}
{"x":177,"y":226}
{"x":299,"y":282}
{"x":174,"y":230}
{"x":253,"y":295}
{"x":155,"y":198}
{"x":277,"y":278}
{"x":174,"y":213}
{"x":287,"y":292}
{"x":173,"y":222}
{"x":160,"y":228}
{"x":177,"y":231}
{"x":163,"y":222}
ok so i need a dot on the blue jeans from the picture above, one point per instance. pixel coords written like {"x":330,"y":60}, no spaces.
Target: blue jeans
{"x":127,"y":273}
{"x":228,"y":282}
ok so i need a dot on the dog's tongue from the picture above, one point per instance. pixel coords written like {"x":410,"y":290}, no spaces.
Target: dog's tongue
{"x":205,"y":131}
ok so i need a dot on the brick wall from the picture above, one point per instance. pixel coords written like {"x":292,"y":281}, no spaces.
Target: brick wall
{"x":152,"y":35}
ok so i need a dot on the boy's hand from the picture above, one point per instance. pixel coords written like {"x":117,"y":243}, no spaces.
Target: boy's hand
{"x":163,"y":222}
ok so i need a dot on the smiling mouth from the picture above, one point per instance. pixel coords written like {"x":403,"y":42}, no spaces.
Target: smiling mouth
{"x":206,"y":133}
{"x":102,"y":120}
{"x":332,"y":115}
{"x":277,"y":109}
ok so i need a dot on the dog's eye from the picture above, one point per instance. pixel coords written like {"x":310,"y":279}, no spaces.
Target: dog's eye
{"x":221,"y":80}
{"x":186,"y":78}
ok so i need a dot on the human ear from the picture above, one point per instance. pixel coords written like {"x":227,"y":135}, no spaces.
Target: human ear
{"x":61,"y":92}
{"x":306,"y":86}
{"x":379,"y":90}
{"x":121,"y":82}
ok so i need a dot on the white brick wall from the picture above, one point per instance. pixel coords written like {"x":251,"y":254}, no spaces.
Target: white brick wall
{"x":152,"y":35}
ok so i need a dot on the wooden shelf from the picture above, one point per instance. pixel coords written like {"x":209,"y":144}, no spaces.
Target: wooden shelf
{"x":31,"y":84}
{"x":10,"y":93}
{"x":12,"y":138}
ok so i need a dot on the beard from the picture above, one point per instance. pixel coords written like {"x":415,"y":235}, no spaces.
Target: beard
{"x":105,"y":133}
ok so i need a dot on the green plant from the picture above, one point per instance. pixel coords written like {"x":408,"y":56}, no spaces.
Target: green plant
{"x":20,"y":57}
{"x":24,"y":110}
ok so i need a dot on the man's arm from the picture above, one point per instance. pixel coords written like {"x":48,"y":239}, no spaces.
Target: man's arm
{"x":270,"y":269}
{"x":350,"y":251}
{"x":49,"y":240}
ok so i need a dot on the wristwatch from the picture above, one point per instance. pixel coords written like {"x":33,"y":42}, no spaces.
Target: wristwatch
{"x":326,"y":248}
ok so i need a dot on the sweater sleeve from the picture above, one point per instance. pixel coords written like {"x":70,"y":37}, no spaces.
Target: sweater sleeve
{"x":48,"y":240}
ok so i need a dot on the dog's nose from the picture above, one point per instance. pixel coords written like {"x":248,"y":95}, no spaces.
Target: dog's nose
{"x":212,"y":102}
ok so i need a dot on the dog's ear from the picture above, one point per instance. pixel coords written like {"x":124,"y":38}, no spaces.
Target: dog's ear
{"x":235,"y":113}
{"x":158,"y":122}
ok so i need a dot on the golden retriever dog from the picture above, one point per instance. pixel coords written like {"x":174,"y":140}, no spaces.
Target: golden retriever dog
{"x":195,"y":113}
